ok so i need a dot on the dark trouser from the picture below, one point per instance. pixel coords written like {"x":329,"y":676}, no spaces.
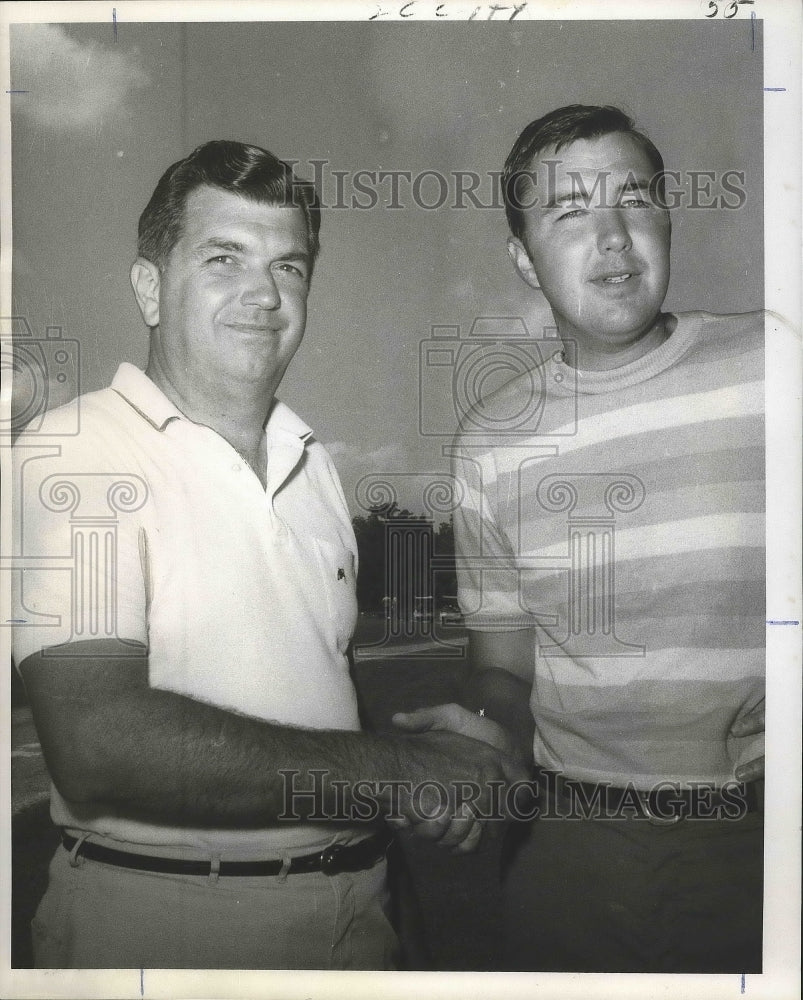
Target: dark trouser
{"x":605,"y":895}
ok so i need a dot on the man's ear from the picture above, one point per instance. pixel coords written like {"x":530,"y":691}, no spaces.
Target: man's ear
{"x":521,"y":261}
{"x":145,"y":280}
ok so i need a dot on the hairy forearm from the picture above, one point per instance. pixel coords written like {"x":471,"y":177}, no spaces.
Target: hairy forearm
{"x":109,"y":737}
{"x":174,"y":758}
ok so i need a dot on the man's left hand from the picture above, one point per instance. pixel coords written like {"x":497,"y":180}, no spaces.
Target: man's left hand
{"x":750,"y":724}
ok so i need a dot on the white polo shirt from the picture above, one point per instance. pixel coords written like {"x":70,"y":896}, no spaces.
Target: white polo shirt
{"x":244,"y":596}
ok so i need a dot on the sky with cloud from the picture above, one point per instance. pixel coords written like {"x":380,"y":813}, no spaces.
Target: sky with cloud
{"x":100,"y":113}
{"x":74,"y":86}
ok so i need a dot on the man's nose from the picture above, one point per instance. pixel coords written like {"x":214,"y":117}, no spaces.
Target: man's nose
{"x":613,"y":235}
{"x":261,"y":290}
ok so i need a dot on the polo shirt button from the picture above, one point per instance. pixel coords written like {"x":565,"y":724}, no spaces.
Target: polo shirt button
{"x":236,"y":468}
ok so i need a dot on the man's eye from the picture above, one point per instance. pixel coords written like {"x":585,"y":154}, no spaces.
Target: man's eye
{"x":635,"y":203}
{"x":289,"y":268}
{"x":223,"y":258}
{"x":573,"y":213}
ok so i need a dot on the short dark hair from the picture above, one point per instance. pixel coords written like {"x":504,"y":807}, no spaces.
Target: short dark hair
{"x":558,"y":129}
{"x":230,"y":166}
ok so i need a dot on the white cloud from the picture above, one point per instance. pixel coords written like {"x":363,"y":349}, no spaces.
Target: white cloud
{"x":353,"y":463}
{"x":386,"y":458}
{"x":337,"y":448}
{"x":389,"y":473}
{"x":71,"y":85}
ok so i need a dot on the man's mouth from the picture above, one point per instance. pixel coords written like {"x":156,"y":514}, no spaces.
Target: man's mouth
{"x":250,"y":327}
{"x":614,"y":277}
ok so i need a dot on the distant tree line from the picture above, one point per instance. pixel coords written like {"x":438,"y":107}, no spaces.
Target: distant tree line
{"x":372,"y":534}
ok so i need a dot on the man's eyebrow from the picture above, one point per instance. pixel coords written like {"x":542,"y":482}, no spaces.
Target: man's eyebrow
{"x":564,"y":199}
{"x":293,"y":255}
{"x":220,"y":243}
{"x":635,"y":184}
{"x":580,"y":192}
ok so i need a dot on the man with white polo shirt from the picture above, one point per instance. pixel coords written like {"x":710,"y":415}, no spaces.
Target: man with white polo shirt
{"x":614,"y":580}
{"x":189,"y":677}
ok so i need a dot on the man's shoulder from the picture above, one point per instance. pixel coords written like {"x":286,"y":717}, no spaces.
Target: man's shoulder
{"x":729,"y":324}
{"x":722,"y":338}
{"x":753,"y":331}
{"x":89,"y":432}
{"x":71,"y":419}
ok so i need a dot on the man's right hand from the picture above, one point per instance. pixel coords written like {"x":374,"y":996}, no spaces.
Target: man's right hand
{"x":460,"y":764}
{"x":111,"y":740}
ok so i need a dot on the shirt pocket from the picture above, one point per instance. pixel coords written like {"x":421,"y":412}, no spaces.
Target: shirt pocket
{"x":337,"y":571}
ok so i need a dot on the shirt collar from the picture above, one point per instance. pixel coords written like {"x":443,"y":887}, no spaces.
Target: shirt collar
{"x":282,"y":421}
{"x":149,"y":401}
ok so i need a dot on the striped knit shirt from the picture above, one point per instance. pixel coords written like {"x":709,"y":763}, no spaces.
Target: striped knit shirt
{"x":620,"y":514}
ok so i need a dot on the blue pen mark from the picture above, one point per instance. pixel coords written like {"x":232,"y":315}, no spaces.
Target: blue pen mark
{"x":781,"y":621}
{"x":753,"y":30}
{"x":742,"y":982}
{"x":142,"y":982}
{"x":780,"y":90}
{"x":18,"y":91}
{"x":114,"y":22}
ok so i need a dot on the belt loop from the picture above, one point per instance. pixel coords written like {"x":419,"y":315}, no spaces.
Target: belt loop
{"x":214,"y":869}
{"x":75,"y":860}
{"x":285,"y":869}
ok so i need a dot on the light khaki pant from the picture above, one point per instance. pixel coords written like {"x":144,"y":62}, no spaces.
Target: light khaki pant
{"x":97,"y":916}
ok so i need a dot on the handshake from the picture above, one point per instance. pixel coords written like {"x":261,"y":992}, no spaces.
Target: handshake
{"x":456,"y":818}
{"x":445,"y":774}
{"x":478,"y":766}
{"x":444,"y":777}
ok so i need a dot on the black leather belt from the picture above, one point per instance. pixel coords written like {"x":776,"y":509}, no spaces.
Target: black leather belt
{"x":664,"y":805}
{"x":331,"y":860}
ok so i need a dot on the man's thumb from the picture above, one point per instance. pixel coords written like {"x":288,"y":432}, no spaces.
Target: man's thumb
{"x":419,"y":721}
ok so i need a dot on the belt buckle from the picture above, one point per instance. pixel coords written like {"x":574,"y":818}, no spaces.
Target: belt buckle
{"x":329,"y":859}
{"x":655,"y":820}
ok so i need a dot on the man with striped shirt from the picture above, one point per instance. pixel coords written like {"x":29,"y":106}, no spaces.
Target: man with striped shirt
{"x":611,"y":562}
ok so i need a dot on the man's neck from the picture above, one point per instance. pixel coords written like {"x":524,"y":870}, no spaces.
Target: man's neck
{"x":595,"y":359}
{"x":238,"y":413}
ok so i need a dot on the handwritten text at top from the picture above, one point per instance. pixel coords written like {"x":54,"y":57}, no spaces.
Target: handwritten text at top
{"x":464,"y":12}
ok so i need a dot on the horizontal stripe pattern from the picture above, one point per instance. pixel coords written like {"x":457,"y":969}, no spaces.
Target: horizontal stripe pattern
{"x":661,"y":415}
{"x":662,"y":670}
{"x":653,"y":595}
